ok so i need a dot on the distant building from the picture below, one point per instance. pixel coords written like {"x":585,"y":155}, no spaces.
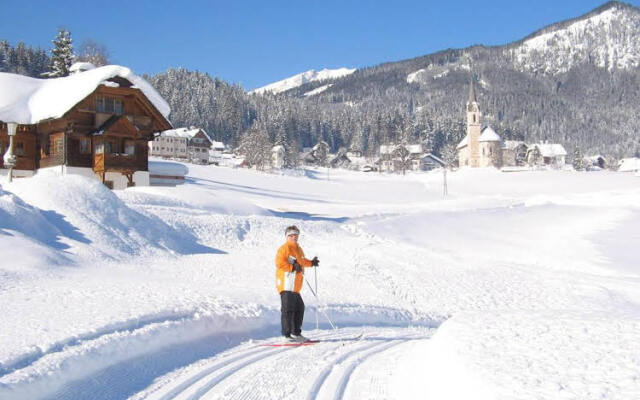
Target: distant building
{"x":481,"y":147}
{"x":340,"y":160}
{"x":191,"y":143}
{"x":411,"y":156}
{"x":514,"y":153}
{"x":550,"y":154}
{"x":485,"y":148}
{"x":317,"y":155}
{"x":215,"y":153}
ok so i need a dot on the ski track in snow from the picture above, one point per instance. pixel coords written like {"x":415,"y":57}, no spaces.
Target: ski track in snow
{"x":322,"y":371}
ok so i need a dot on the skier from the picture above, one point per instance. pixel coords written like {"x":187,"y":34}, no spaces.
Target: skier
{"x":290,"y":264}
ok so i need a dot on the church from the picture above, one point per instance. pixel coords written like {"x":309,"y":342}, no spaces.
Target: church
{"x":481,"y":147}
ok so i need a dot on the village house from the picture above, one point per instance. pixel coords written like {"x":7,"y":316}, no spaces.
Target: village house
{"x":483,"y":147}
{"x":514,"y":153}
{"x":94,"y":123}
{"x":317,"y":155}
{"x":191,"y":143}
{"x":549,"y":154}
{"x":216,"y":151}
{"x":410,"y":157}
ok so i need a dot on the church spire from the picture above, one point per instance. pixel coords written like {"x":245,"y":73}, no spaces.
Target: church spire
{"x":472,"y":93}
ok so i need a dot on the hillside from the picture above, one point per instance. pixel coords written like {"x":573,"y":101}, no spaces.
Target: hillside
{"x":576,"y":82}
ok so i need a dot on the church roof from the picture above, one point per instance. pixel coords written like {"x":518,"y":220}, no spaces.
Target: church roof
{"x":463,"y":142}
{"x":489,"y":135}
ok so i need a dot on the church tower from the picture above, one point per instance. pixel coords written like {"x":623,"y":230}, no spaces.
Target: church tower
{"x":474,"y":127}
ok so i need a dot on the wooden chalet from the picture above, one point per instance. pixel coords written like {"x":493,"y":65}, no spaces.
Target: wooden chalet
{"x":104,"y":134}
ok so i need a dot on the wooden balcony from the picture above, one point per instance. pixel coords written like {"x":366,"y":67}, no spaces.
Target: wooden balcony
{"x":119,"y":162}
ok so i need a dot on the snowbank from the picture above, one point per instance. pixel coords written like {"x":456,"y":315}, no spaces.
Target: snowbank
{"x":91,"y":219}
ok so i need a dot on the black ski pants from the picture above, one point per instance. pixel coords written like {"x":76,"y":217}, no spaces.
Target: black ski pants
{"x":292,"y":311}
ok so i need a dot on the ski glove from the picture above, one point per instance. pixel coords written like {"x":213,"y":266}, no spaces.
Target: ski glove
{"x":297,"y":267}
{"x":315,"y":262}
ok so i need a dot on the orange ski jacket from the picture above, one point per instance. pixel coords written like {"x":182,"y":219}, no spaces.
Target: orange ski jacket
{"x":286,"y":277}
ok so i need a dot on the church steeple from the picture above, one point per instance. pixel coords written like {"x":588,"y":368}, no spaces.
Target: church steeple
{"x":474,"y":127}
{"x":472,"y":93}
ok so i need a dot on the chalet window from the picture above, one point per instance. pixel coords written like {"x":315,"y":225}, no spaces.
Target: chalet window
{"x":19,"y":149}
{"x":58,"y":146}
{"x":129,"y":147}
{"x":110,"y":147}
{"x":85,"y":146}
{"x":109,"y":105}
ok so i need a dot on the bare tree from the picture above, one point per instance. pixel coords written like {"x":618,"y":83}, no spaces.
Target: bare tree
{"x":94,"y":52}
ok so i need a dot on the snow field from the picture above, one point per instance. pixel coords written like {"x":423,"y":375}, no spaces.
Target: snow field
{"x":533,"y":274}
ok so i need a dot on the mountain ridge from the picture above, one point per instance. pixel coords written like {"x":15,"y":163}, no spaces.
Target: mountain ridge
{"x":589,"y":105}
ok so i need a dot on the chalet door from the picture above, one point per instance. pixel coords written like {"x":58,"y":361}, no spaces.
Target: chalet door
{"x":98,"y":154}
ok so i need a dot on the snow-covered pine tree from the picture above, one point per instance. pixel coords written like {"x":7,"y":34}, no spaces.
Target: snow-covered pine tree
{"x":256,"y":147}
{"x":449,"y":154}
{"x":61,"y":55}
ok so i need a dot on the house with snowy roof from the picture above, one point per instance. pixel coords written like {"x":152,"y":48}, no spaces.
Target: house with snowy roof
{"x":403,"y":157}
{"x":549,"y":154}
{"x":95,"y":122}
{"x":480,"y":147}
{"x":514,"y":153}
{"x":190,"y":143}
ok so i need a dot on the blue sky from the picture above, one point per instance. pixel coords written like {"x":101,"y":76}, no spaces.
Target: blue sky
{"x":257,"y":42}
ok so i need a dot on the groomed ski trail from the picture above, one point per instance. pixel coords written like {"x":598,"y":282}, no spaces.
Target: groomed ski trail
{"x":253,"y":372}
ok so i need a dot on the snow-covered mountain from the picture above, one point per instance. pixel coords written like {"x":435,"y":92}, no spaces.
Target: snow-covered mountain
{"x":606,"y":37}
{"x":302,"y":78}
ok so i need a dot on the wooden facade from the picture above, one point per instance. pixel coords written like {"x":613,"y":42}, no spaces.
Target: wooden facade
{"x":107,"y":131}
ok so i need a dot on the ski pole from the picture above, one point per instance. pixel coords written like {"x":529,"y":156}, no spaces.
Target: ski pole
{"x":317,"y":298}
{"x":315,"y":281}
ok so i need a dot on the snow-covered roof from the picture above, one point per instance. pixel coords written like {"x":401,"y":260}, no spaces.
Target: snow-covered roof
{"x":551,"y":149}
{"x":463,"y":142}
{"x":489,"y":135}
{"x":390,"y":148}
{"x":512,"y":144}
{"x":218,"y":146}
{"x":27,"y":100}
{"x":629,"y":164}
{"x":167,"y":168}
{"x":81,"y":67}
{"x":186,"y":133}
